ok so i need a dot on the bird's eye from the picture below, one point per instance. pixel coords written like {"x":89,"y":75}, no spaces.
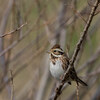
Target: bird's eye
{"x":54,"y":50}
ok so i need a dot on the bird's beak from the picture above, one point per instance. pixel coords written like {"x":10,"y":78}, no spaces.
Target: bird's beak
{"x":48,"y":52}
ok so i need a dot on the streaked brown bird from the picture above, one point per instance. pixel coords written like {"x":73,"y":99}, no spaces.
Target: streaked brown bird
{"x":58,"y":65}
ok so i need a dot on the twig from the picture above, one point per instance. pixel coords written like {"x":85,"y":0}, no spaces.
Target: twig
{"x":84,"y":91}
{"x":25,"y":65}
{"x":77,"y":91}
{"x":78,"y":47}
{"x":17,"y":41}
{"x":3,"y":25}
{"x":17,"y":29}
{"x":12,"y":86}
{"x":20,"y":39}
{"x":97,"y":12}
{"x":78,"y":13}
{"x":87,"y":77}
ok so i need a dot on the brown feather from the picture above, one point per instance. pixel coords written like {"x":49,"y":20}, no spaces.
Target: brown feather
{"x":72,"y":75}
{"x":56,"y":46}
{"x":65,"y":61}
{"x":53,"y":59}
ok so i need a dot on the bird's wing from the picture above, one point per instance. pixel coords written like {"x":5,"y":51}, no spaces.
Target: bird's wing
{"x":65,"y":61}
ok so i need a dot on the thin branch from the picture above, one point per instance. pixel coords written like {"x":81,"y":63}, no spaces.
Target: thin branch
{"x":97,"y":12}
{"x":20,"y":39}
{"x":87,"y":77}
{"x":13,"y":31}
{"x":17,"y":41}
{"x":84,"y":91}
{"x":12,"y":85}
{"x":25,"y":65}
{"x":82,"y":38}
{"x":3,"y":25}
{"x":76,"y":52}
{"x":78,"y":13}
{"x":77,"y":91}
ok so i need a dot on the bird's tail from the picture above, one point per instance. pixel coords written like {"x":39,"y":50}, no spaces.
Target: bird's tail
{"x":81,"y":82}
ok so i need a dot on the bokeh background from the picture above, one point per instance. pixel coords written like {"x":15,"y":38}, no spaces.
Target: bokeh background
{"x":37,"y":26}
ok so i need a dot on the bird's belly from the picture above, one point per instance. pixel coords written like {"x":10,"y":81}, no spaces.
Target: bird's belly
{"x":56,"y":69}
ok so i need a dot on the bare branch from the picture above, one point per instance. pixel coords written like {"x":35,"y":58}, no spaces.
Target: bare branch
{"x":20,"y":39}
{"x":78,"y":47}
{"x":77,"y":91}
{"x":3,"y":25}
{"x":78,"y":13}
{"x":97,"y":12}
{"x":24,"y":65}
{"x":12,"y":85}
{"x":13,"y":31}
{"x":17,"y":41}
{"x":83,"y":36}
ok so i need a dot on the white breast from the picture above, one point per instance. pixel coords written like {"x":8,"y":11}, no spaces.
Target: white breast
{"x":56,"y":70}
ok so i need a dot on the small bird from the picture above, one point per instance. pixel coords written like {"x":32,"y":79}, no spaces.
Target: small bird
{"x":59,"y":61}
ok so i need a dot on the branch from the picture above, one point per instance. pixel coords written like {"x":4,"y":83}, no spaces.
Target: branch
{"x":78,"y":47}
{"x":17,"y":41}
{"x":30,"y":59}
{"x":79,"y":14}
{"x":12,"y":85}
{"x":13,"y":31}
{"x":24,"y":36}
{"x":3,"y":25}
{"x":82,"y":38}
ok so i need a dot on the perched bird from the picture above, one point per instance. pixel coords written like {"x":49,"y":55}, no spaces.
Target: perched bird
{"x":59,"y":63}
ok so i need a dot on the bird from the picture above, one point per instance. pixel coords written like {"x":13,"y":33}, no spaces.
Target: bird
{"x":59,"y":62}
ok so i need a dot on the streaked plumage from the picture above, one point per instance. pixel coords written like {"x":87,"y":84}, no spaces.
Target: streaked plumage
{"x":59,"y":63}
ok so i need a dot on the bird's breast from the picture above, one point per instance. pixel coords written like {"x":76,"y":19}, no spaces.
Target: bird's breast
{"x":56,"y":69}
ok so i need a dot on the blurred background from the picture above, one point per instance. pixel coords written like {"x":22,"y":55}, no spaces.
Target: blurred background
{"x":29,"y":28}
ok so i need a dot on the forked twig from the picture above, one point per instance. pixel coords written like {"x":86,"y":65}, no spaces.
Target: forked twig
{"x":97,"y":12}
{"x":17,"y":29}
{"x":78,"y":47}
{"x":78,"y":13}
